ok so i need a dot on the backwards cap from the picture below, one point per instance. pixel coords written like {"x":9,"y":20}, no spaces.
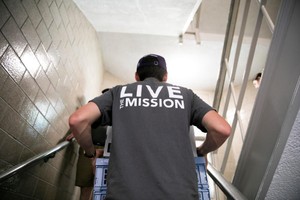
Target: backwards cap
{"x":152,"y":60}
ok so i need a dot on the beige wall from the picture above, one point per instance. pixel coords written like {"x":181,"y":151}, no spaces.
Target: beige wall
{"x":49,"y":58}
{"x":110,"y":81}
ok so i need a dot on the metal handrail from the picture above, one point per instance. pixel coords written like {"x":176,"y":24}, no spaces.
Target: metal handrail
{"x":42,"y":156}
{"x":227,"y":188}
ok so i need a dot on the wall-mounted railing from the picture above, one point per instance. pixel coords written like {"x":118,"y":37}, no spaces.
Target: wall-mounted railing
{"x":35,"y":159}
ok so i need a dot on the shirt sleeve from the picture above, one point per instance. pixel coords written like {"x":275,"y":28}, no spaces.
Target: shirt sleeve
{"x":104,"y":103}
{"x":198,"y":109}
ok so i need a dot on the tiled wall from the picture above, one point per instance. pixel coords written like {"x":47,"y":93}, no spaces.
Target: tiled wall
{"x":45,"y":48}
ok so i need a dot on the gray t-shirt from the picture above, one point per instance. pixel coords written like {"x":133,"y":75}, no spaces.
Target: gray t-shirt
{"x":151,"y":155}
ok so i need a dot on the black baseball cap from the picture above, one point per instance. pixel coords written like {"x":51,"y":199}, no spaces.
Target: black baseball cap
{"x":105,"y":90}
{"x":152,"y":60}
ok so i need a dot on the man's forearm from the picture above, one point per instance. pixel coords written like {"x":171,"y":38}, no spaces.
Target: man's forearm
{"x":80,"y":124}
{"x":81,"y":129}
{"x":84,"y":139}
{"x":212,"y":142}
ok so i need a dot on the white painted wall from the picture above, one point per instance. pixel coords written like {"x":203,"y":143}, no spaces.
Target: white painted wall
{"x":94,"y":70}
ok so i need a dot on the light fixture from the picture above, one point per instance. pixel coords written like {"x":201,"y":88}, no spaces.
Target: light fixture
{"x":180,"y":39}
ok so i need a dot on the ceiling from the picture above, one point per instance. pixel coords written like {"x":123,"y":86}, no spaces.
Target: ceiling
{"x":130,"y":29}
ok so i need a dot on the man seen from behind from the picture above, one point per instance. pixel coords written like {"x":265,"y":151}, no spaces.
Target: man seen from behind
{"x":151,"y":155}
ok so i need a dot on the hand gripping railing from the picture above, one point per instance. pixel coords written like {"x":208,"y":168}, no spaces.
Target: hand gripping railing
{"x":42,"y":156}
{"x":227,"y":188}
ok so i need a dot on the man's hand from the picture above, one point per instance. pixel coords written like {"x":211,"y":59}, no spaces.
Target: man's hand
{"x":70,"y":137}
{"x":99,"y":154}
{"x":200,"y":154}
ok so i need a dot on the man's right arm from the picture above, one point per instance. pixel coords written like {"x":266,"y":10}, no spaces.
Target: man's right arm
{"x":218,"y":130}
{"x":80,"y":124}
